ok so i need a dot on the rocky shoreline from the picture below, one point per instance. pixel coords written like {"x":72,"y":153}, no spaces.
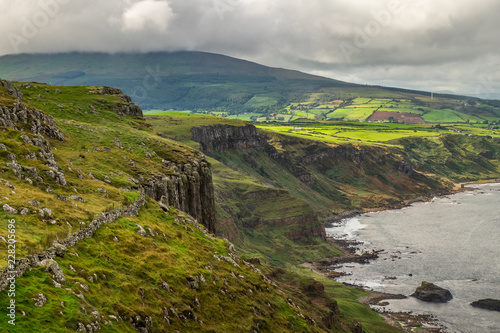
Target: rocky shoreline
{"x":405,"y":321}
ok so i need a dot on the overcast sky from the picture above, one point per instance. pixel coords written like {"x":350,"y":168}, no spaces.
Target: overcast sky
{"x":445,"y":45}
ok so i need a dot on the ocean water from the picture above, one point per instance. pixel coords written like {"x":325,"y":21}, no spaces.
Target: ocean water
{"x":452,"y":241}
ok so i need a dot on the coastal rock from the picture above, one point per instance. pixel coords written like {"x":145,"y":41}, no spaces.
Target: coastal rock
{"x":429,"y":292}
{"x":487,"y":303}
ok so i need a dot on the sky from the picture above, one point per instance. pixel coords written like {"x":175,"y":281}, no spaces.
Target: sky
{"x":440,"y":46}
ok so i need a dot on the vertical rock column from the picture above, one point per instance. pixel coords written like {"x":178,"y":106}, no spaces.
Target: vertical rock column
{"x":189,"y":189}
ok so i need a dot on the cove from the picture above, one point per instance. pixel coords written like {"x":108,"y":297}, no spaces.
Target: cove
{"x":451,"y":241}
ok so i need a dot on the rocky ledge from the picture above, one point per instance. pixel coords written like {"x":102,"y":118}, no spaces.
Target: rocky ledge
{"x":488,"y":304}
{"x":223,"y":137}
{"x":429,"y":292}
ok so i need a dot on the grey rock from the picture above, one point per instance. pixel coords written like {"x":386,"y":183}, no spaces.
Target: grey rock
{"x":34,"y":203}
{"x":152,"y":232}
{"x":165,"y":286}
{"x":31,"y":155}
{"x":61,"y":197}
{"x":24,"y":211}
{"x":117,"y":143}
{"x":77,"y":198}
{"x":26,"y":139}
{"x":59,"y":249}
{"x":189,"y":189}
{"x":11,"y":89}
{"x":16,"y":168}
{"x":53,"y":267}
{"x":9,"y":209}
{"x":83,"y":286}
{"x":40,"y":300}
{"x":141,"y":230}
{"x":231,"y":260}
{"x":487,"y":303}
{"x":224,"y":137}
{"x":429,"y":292}
{"x":61,"y":179}
{"x":47,"y":211}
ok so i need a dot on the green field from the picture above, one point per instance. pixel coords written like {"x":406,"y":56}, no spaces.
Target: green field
{"x":352,"y":113}
{"x":367,"y":133}
{"x":448,"y":116}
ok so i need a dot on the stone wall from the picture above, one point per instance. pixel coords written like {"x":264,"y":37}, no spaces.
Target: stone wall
{"x":59,"y":247}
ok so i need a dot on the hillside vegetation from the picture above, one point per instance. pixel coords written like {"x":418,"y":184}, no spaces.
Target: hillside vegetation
{"x":102,"y":195}
{"x":94,"y":253}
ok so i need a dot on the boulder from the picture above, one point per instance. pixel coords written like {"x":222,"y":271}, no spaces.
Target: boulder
{"x":53,"y":267}
{"x":488,"y":304}
{"x":9,"y":209}
{"x":429,"y":292}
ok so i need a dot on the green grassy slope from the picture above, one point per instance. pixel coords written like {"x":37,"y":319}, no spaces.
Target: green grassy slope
{"x":115,"y":279}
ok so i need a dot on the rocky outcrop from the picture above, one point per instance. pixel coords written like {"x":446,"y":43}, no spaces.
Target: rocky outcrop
{"x":126,"y":108}
{"x":189,"y":188}
{"x":429,"y":292}
{"x":19,"y":117}
{"x":129,"y":109}
{"x":223,"y":137}
{"x":488,"y":304}
{"x":11,"y":89}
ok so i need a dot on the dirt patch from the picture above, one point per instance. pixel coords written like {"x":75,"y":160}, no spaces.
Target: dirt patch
{"x":407,"y":118}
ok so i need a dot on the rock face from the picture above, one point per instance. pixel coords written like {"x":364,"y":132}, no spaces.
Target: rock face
{"x":189,"y":189}
{"x":223,"y":137}
{"x":488,"y":304}
{"x":19,"y":116}
{"x":128,"y":108}
{"x":11,"y":89}
{"x":429,"y":292}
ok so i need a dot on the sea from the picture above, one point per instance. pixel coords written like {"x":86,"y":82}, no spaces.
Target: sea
{"x":451,"y":241}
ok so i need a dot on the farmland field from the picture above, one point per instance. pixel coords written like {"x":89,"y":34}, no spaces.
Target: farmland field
{"x":407,"y":118}
{"x":352,"y":114}
{"x":370,"y":133}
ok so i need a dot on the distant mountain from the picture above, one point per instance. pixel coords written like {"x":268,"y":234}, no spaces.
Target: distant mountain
{"x":179,"y":80}
{"x":207,"y":82}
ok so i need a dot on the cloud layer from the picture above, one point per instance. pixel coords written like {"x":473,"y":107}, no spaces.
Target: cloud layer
{"x":424,"y":44}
